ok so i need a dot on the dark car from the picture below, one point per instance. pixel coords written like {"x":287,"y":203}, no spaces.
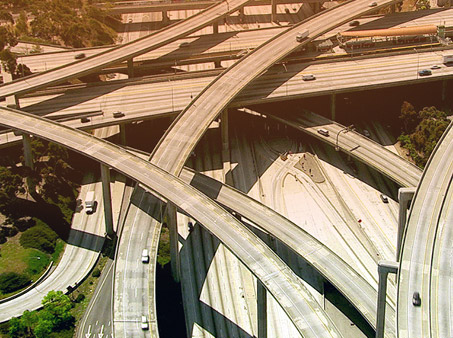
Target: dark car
{"x":80,"y":56}
{"x":384,"y":198}
{"x":354,"y":23}
{"x":416,"y":301}
{"x":424,"y":72}
{"x":85,"y":119}
{"x":190,"y":226}
{"x":118,"y":114}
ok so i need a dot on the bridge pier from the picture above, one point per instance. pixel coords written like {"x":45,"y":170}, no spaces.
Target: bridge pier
{"x":273,"y":10}
{"x":130,"y":68}
{"x":107,"y":199}
{"x":384,"y":268}
{"x":261,"y":297}
{"x":165,"y":18}
{"x":215,"y":27}
{"x":174,"y":244}
{"x":444,"y":91}
{"x":227,"y":174}
{"x":123,"y":139}
{"x":333,"y":103}
{"x":405,"y":196}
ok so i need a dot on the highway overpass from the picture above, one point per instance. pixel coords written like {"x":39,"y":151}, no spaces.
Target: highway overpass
{"x":123,"y":52}
{"x":425,"y":261}
{"x":352,"y":143}
{"x":303,"y":310}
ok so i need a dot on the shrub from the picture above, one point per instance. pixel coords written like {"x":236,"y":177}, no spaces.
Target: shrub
{"x":12,"y":281}
{"x":80,"y":297}
{"x":39,"y":237}
{"x":96,"y":273}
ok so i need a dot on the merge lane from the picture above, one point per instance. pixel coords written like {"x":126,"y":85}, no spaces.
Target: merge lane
{"x":274,"y":274}
{"x":122,"y":53}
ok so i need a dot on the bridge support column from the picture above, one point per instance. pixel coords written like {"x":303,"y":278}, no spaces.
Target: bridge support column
{"x":123,"y":139}
{"x":165,"y":18}
{"x":11,"y":101}
{"x":333,"y":103}
{"x":130,"y":68}
{"x":28,"y":157}
{"x":274,"y":10}
{"x":444,"y":91}
{"x":261,"y":297}
{"x":217,"y":64}
{"x":107,"y":199}
{"x":227,"y":174}
{"x":384,"y":268}
{"x":174,"y":244}
{"x":405,"y":196}
{"x":215,"y":27}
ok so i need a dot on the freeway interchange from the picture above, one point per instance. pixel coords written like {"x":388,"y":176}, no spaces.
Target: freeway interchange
{"x":173,"y":150}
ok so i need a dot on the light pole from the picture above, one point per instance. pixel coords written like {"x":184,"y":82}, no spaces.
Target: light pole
{"x":345,"y":129}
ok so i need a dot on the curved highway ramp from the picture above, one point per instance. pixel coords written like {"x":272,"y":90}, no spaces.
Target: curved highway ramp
{"x":426,"y":256}
{"x":303,"y":310}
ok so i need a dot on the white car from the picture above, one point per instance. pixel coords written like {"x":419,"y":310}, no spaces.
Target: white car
{"x":366,"y":133}
{"x":308,"y":77}
{"x":144,"y":323}
{"x":435,"y":67}
{"x":145,"y":256}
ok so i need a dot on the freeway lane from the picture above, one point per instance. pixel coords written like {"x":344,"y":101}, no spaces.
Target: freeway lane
{"x":352,"y":285}
{"x":421,"y":262}
{"x":124,"y":52}
{"x":306,"y":314}
{"x":363,"y":148}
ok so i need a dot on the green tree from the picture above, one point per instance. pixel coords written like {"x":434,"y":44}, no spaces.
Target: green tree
{"x":409,"y":117}
{"x":12,"y":281}
{"x":56,"y":309}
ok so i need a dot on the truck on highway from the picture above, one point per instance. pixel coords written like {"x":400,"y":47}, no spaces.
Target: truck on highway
{"x":90,"y":202}
{"x":301,"y":36}
{"x":448,"y":58}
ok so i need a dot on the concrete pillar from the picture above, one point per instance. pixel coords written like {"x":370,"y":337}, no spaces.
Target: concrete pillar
{"x":28,"y":157}
{"x":174,"y":244}
{"x":165,"y":17}
{"x":261,"y":297}
{"x":444,"y":91}
{"x":228,"y":178}
{"x":384,"y":268}
{"x":123,"y":134}
{"x":405,"y":196}
{"x":215,"y":27}
{"x":107,"y":199}
{"x":11,"y":101}
{"x":333,"y":103}
{"x":217,"y":64}
{"x":130,"y":68}
{"x":274,"y":10}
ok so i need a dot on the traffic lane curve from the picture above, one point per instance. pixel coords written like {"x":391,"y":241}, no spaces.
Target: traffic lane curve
{"x":301,"y":307}
{"x":363,"y":148}
{"x":442,"y":274}
{"x":419,"y":240}
{"x":123,"y":52}
{"x":179,"y":140}
{"x":352,"y":285}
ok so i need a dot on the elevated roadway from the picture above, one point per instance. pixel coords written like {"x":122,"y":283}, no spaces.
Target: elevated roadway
{"x":352,"y":285}
{"x":304,"y":311}
{"x":352,"y":143}
{"x":124,"y":52}
{"x":425,"y":263}
{"x":83,"y":247}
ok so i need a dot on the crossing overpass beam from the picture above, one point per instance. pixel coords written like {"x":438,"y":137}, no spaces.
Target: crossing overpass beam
{"x":384,"y":268}
{"x":107,"y":199}
{"x":405,"y":196}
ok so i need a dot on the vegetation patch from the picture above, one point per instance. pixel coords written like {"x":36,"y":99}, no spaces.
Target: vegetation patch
{"x":40,"y":237}
{"x":163,"y":254}
{"x":12,"y":281}
{"x":421,"y":131}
